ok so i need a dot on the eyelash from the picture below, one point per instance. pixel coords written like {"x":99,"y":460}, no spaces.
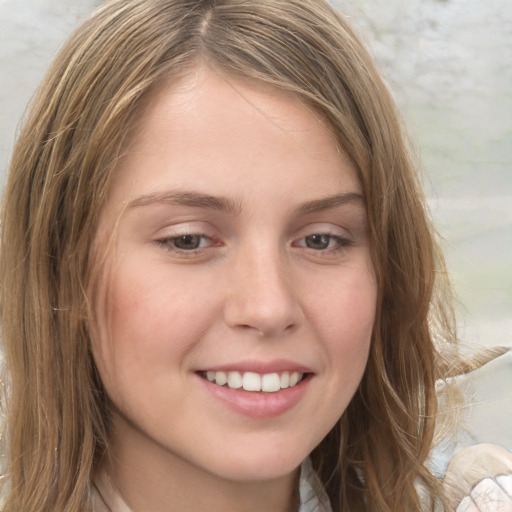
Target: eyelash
{"x":341,"y":243}
{"x":169,"y":243}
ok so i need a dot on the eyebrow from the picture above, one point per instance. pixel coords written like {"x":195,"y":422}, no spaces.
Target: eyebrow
{"x":223,"y":204}
{"x":191,"y":199}
{"x":326,"y":203}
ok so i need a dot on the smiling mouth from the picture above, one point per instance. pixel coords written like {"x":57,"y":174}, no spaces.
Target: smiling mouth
{"x":251,"y":381}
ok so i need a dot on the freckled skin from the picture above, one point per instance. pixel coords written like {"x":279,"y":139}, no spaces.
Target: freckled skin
{"x":256,"y":283}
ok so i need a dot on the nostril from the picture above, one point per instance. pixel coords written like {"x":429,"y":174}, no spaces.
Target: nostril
{"x":265,"y":331}
{"x":262,"y":308}
{"x":246,"y":327}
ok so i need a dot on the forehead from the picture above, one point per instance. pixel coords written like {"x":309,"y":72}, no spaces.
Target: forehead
{"x":202,"y":93}
{"x":209,"y":130}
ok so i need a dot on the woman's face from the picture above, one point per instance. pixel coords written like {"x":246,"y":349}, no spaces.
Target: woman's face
{"x":240,"y":252}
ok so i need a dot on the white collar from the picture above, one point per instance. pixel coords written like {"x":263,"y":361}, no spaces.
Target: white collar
{"x":313,"y":497}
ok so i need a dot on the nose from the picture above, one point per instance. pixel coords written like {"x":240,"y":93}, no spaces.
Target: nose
{"x":261,"y":296}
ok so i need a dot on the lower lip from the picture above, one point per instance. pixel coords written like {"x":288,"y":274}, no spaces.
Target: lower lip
{"x":259,"y":405}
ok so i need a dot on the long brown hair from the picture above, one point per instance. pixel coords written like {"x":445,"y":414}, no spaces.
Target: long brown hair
{"x":57,"y":411}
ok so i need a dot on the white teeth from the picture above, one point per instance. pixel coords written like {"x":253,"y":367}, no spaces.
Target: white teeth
{"x":221,"y":378}
{"x":294,"y":378}
{"x":270,"y":382}
{"x":234,"y":380}
{"x":251,"y":381}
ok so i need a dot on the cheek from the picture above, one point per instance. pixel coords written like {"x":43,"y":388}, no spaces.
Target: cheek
{"x":346,"y":313}
{"x":349,"y":306}
{"x":343,"y":315}
{"x":149,"y":319}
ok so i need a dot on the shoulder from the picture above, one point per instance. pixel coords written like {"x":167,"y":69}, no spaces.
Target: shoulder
{"x":479,"y":479}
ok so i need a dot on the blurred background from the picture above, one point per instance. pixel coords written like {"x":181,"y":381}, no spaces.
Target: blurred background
{"x":448,"y":64}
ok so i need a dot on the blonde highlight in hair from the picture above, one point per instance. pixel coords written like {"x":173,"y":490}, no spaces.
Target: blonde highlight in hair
{"x":60,"y":175}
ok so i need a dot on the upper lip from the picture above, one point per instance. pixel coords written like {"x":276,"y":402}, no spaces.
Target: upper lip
{"x":261,"y":367}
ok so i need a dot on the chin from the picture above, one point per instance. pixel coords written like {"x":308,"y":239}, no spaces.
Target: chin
{"x":260,"y":466}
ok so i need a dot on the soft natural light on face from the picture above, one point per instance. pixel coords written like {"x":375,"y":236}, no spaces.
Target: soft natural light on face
{"x":241,"y":263}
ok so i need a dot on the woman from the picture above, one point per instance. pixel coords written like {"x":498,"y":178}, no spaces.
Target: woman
{"x":216,"y":264}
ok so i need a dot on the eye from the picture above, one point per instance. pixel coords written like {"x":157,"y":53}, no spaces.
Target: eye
{"x":323,"y":242}
{"x":318,"y":242}
{"x":185,"y":243}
